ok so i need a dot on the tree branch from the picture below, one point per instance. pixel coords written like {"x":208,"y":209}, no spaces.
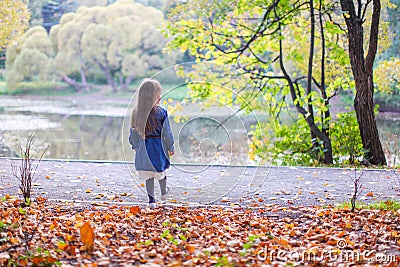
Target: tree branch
{"x":373,"y":37}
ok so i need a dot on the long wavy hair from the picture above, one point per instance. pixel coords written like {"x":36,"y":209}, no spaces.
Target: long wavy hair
{"x":143,"y":114}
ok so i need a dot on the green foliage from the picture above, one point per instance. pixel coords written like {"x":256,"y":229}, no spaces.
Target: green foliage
{"x":346,"y":139}
{"x":29,"y":59}
{"x":390,"y":14}
{"x":291,"y":144}
{"x":39,"y":257}
{"x":35,"y":7}
{"x":387,"y":76}
{"x":284,"y":144}
{"x":261,"y":58}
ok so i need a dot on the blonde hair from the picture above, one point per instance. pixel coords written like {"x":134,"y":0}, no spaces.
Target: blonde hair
{"x":148,"y":96}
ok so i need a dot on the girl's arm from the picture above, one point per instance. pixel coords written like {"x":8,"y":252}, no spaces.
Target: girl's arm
{"x":134,"y":138}
{"x":168,"y":138}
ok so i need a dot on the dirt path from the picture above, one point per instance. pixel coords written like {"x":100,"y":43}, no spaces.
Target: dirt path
{"x":115,"y":182}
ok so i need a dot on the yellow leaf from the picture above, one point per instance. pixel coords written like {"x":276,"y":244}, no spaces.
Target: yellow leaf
{"x":289,"y":225}
{"x":88,"y":191}
{"x":61,"y":245}
{"x":395,"y":234}
{"x":87,"y":236}
{"x":69,"y":238}
{"x":348,"y":225}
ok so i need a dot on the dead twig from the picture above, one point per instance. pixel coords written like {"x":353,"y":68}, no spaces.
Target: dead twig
{"x":357,"y":189}
{"x":26,"y":172}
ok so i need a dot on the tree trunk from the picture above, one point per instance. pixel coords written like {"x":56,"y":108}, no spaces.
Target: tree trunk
{"x":127,"y":82}
{"x":77,"y":85}
{"x":107,"y":73}
{"x":83,"y":73}
{"x":110,"y":79}
{"x":315,"y":131}
{"x":363,"y":76}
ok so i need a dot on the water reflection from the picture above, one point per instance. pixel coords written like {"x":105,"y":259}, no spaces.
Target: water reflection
{"x":75,"y":137}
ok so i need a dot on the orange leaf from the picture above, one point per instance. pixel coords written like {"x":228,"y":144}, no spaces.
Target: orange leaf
{"x":71,"y":250}
{"x":87,"y":235}
{"x":200,"y":218}
{"x":282,"y":242}
{"x":135,"y":209}
{"x":190,"y":248}
{"x":107,"y":217}
{"x":37,"y":260}
{"x":370,"y":194}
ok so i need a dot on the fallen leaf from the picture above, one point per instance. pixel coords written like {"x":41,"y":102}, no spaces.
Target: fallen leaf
{"x":87,"y":236}
{"x":134,"y":210}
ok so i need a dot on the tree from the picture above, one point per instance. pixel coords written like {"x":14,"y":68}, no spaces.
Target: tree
{"x":362,"y":67}
{"x":121,"y":40}
{"x":391,"y":14}
{"x":28,"y":59}
{"x":53,"y":10}
{"x":261,"y":48}
{"x":14,"y":18}
{"x":35,"y":7}
{"x":66,"y":38}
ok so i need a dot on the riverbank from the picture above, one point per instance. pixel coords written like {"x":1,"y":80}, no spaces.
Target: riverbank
{"x":76,"y":119}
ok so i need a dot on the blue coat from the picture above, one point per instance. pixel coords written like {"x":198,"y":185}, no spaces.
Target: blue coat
{"x":152,"y":152}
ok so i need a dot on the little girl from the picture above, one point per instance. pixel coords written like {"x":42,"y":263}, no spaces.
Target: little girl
{"x":151,"y":137}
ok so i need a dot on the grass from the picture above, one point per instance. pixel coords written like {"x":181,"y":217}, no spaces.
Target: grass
{"x":170,"y":90}
{"x":38,"y":88}
{"x":390,"y":204}
{"x":3,"y":87}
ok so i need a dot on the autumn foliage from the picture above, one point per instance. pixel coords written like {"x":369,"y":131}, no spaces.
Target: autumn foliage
{"x":48,"y":234}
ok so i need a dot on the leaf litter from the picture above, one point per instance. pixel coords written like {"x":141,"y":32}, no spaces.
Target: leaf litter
{"x":115,"y":235}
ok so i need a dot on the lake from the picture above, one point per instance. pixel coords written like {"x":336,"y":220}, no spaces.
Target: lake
{"x":89,"y":129}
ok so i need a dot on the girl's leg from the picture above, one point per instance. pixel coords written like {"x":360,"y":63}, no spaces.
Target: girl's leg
{"x":150,"y":190}
{"x":163,"y":185}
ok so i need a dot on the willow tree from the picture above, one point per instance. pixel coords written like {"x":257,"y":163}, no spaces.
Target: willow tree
{"x":120,"y":40}
{"x":355,"y":15}
{"x":29,"y":58}
{"x":268,"y":50}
